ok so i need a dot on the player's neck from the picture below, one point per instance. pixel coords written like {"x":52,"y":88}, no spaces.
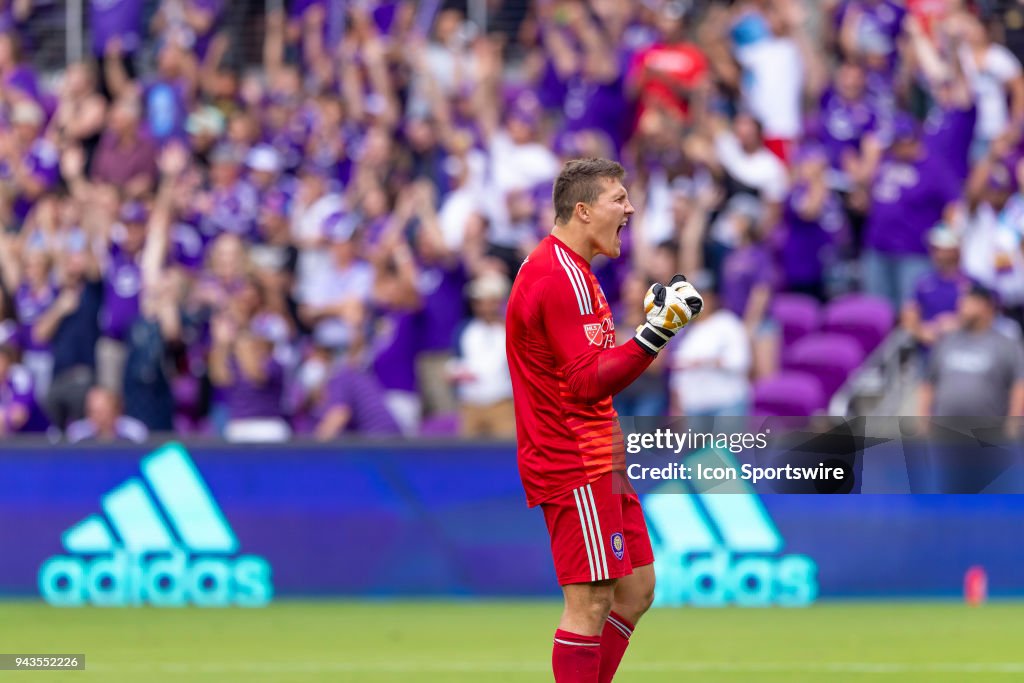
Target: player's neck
{"x":575,"y":240}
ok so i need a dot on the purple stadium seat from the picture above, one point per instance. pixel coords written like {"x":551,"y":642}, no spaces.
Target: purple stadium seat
{"x":866,"y":318}
{"x":799,"y":315}
{"x":445,"y":424}
{"x":829,"y":356}
{"x":788,"y":393}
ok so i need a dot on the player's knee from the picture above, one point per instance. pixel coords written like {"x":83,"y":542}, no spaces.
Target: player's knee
{"x":644,"y":600}
{"x":636,"y":598}
{"x":591,"y":606}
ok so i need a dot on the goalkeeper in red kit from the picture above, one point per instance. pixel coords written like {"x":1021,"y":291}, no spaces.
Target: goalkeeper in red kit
{"x":565,"y":369}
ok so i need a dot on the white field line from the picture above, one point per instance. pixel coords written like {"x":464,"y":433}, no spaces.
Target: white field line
{"x":309,"y":667}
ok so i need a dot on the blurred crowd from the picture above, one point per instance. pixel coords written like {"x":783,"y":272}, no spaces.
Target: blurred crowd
{"x":322,"y":244}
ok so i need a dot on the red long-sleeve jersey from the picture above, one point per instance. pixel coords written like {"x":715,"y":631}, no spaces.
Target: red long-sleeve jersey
{"x":565,"y":367}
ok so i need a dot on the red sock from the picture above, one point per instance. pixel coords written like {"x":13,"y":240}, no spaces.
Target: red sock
{"x":576,"y":658}
{"x":614,"y":641}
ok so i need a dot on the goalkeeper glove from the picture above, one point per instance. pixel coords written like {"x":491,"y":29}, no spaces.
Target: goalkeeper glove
{"x":669,"y":309}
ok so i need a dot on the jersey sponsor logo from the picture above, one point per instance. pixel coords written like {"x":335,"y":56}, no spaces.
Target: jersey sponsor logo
{"x":618,"y":545}
{"x":717,"y":549}
{"x":161,"y":540}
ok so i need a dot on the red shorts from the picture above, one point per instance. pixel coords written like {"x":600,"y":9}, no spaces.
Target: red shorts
{"x":597,"y":533}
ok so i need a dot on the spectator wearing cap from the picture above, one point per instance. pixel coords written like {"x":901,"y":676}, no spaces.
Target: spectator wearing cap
{"x":911,"y":188}
{"x":335,"y":304}
{"x":233,"y":201}
{"x":480,"y":368}
{"x":204,"y":128}
{"x":814,"y":224}
{"x":976,"y":370}
{"x":264,"y":165}
{"x":19,"y":410}
{"x":122,"y":284}
{"x":932,"y":311}
{"x":994,"y":229}
{"x":711,"y":364}
{"x":125,"y":156}
{"x":274,"y":258}
{"x":104,"y":423}
{"x":31,"y":161}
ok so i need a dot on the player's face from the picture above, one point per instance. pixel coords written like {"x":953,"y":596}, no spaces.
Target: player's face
{"x":609,"y":216}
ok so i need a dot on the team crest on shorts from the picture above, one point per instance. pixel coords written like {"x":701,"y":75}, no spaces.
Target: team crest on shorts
{"x":618,"y":545}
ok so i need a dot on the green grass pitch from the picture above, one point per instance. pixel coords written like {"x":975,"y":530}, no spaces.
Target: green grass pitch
{"x":444,"y":641}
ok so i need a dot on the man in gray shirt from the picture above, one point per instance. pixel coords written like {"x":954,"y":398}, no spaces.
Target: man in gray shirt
{"x":976,"y":374}
{"x":977,"y":370}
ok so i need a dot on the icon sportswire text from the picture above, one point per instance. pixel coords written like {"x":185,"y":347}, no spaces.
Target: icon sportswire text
{"x":162,"y":540}
{"x":722,"y":547}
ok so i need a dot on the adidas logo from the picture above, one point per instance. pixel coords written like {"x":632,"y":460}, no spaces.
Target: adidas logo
{"x":161,"y":540}
{"x":720,"y":547}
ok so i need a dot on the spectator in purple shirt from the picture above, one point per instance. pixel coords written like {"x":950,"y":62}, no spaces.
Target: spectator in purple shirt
{"x":122,"y":284}
{"x":119,"y":20}
{"x":27,"y":276}
{"x":233,"y":202}
{"x":243,"y":367}
{"x":814,"y":224}
{"x":19,"y":411}
{"x":104,"y":423}
{"x":748,"y":280}
{"x":351,"y":400}
{"x":845,"y":116}
{"x":932,"y":311}
{"x":911,"y":190}
{"x":29,"y":162}
{"x":870,"y":30}
{"x":192,"y":25}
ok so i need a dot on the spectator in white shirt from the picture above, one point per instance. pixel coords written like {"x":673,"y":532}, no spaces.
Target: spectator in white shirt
{"x":711,"y":363}
{"x":995,"y":77}
{"x":480,"y":369}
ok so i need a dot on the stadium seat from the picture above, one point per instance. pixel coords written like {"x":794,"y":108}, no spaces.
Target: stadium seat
{"x":829,"y":356}
{"x":799,"y":315}
{"x":789,"y":393}
{"x":866,"y":318}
